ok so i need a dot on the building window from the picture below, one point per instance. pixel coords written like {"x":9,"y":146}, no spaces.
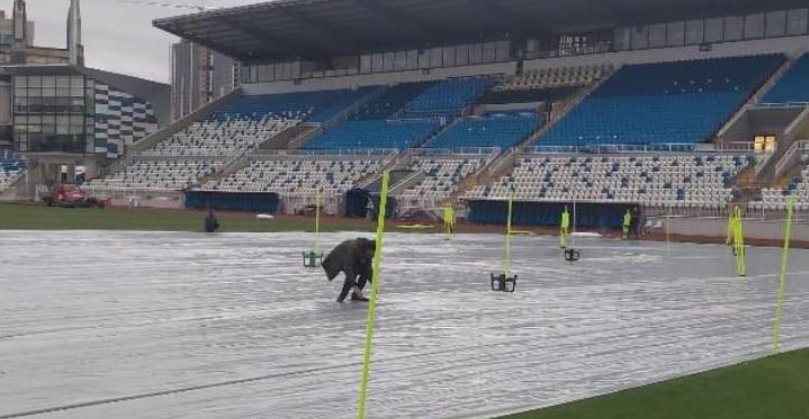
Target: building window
{"x":462,"y":54}
{"x":365,"y":63}
{"x":43,"y":109}
{"x":675,"y":36}
{"x":754,"y":26}
{"x":714,"y":30}
{"x":657,"y":36}
{"x":376,"y":62}
{"x":776,"y":24}
{"x":623,"y":39}
{"x":734,"y":26}
{"x":489,"y":52}
{"x":412,"y":59}
{"x":400,"y":61}
{"x":503,"y":51}
{"x":475,"y":53}
{"x":694,"y":32}
{"x":797,"y":21}
{"x":449,"y":56}
{"x":388,"y":62}
{"x":640,"y":37}
{"x":424,"y":59}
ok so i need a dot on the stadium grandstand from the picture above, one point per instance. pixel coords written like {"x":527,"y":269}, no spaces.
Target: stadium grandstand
{"x":658,"y":104}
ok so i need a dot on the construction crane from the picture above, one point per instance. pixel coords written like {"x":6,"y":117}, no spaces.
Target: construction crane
{"x":199,"y":7}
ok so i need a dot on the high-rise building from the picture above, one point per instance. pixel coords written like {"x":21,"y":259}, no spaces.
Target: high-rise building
{"x":7,"y":26}
{"x":62,"y":107}
{"x":17,"y":40}
{"x":199,"y":76}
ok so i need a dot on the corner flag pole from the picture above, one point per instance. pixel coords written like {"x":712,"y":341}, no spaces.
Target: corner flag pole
{"x":779,"y":311}
{"x":369,"y":330}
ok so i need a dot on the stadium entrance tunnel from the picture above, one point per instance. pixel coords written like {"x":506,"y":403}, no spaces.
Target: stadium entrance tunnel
{"x":589,"y":216}
{"x":265,"y":202}
{"x":357,"y":202}
{"x":51,"y":168}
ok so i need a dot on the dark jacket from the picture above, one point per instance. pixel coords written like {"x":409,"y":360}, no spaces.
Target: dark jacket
{"x":353,"y":257}
{"x":211,"y":223}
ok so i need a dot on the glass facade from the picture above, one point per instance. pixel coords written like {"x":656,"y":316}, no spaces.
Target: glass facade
{"x":53,"y":114}
{"x":753,"y":26}
{"x":387,"y":61}
{"x":773,"y":24}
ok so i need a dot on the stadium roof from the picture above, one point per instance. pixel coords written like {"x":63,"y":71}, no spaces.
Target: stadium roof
{"x":324,"y":28}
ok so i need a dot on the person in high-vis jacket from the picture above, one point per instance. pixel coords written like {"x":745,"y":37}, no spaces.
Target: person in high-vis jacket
{"x":627,"y":224}
{"x":449,"y":219}
{"x":565,"y":227}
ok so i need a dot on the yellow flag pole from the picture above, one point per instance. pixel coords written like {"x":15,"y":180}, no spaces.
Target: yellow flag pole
{"x":741,"y":265}
{"x":317,"y":222}
{"x":507,"y":257}
{"x":668,"y":232}
{"x":779,"y":311}
{"x":369,"y":330}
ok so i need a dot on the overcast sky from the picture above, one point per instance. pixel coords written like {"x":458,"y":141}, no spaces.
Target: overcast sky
{"x":117,"y":36}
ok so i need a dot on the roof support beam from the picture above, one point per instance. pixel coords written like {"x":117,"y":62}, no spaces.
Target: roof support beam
{"x":496,"y":8}
{"x":273,"y":41}
{"x":329,"y":34}
{"x":258,"y":36}
{"x":413,"y":21}
{"x":209,"y":43}
{"x":392,"y":22}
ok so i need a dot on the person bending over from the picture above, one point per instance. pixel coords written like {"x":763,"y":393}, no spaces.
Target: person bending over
{"x":353,"y":258}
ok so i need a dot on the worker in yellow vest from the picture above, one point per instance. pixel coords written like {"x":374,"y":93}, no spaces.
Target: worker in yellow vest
{"x":449,"y":219}
{"x":627,"y":224}
{"x":732,"y":223}
{"x":565,"y":228}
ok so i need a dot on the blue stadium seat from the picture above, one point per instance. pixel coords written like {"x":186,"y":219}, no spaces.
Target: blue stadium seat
{"x":445,"y":99}
{"x":496,"y":130}
{"x":374,"y":134}
{"x":405,"y":115}
{"x":793,"y":86}
{"x":390,"y":102}
{"x":348,"y":98}
{"x":287,"y":105}
{"x":681,"y":102}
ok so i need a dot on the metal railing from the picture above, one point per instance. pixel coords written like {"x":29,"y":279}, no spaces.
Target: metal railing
{"x":770,"y":211}
{"x":474,"y":151}
{"x":639,"y":149}
{"x":359,"y":152}
{"x":791,"y":157}
{"x":406,"y":203}
{"x":786,"y":105}
{"x":148,"y":157}
{"x":125,"y":192}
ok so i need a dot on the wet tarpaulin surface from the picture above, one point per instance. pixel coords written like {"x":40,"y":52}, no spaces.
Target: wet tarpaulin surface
{"x":182,"y":325}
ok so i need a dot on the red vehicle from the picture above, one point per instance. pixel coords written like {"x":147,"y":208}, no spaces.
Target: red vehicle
{"x":71,"y":196}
